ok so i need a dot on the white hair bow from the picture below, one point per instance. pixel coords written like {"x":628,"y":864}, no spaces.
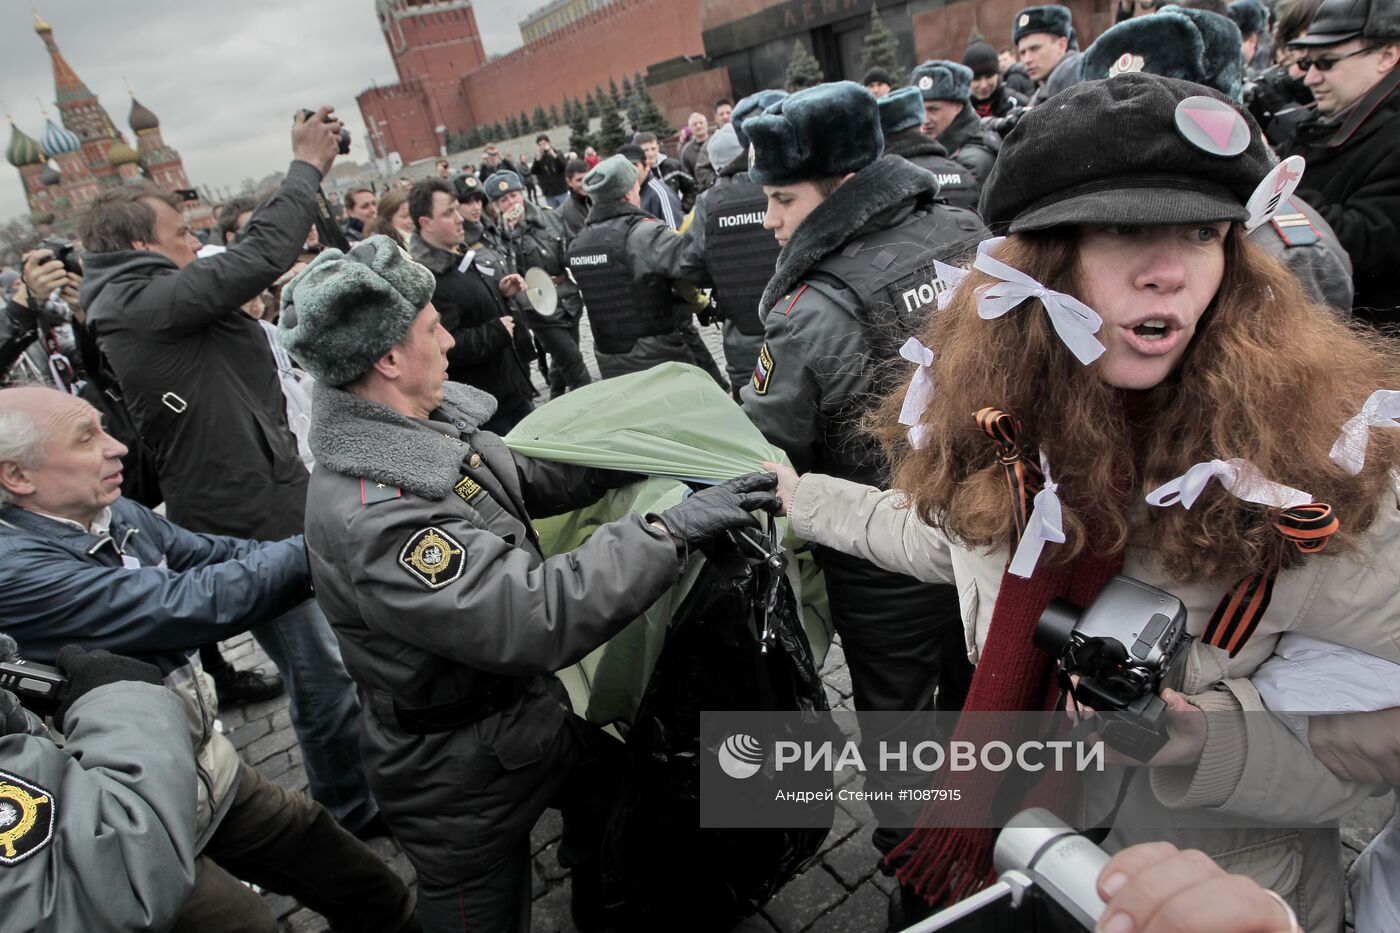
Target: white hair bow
{"x":1046,"y":523}
{"x":952,"y":277}
{"x":920,"y":391}
{"x":1382,"y":410}
{"x":1240,"y":477}
{"x":1075,"y":322}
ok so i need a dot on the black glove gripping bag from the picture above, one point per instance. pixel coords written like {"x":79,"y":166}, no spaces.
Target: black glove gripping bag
{"x":736,"y":644}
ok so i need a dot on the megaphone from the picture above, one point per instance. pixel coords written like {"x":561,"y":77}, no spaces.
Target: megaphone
{"x":540,"y":291}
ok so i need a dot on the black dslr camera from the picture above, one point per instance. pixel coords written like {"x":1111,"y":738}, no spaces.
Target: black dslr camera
{"x":1047,"y":883}
{"x":1121,"y":647}
{"x":38,"y":686}
{"x":63,"y":251}
{"x":344,"y":133}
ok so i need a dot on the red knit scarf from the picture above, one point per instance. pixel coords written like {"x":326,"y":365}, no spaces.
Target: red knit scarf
{"x":946,"y":864}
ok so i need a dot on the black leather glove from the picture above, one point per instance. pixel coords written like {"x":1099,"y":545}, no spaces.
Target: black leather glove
{"x":713,"y":511}
{"x":88,"y":670}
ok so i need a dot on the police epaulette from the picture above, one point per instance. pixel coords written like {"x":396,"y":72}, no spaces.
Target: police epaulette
{"x":788,"y":309}
{"x":1293,"y":226}
{"x":370,"y":492}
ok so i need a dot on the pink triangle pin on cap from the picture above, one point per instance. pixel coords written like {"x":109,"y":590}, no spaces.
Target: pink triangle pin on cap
{"x":1212,"y":126}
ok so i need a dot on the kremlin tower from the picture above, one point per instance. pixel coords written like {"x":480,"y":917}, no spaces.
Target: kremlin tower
{"x":71,"y":163}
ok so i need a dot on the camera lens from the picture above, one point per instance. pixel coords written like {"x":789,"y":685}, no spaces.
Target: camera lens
{"x":1056,"y":625}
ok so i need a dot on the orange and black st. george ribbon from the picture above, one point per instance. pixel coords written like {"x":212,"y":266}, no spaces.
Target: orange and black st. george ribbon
{"x":1306,"y":527}
{"x":1023,"y":477}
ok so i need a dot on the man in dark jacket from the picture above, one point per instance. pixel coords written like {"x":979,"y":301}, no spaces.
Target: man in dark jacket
{"x":574,"y":212}
{"x":1352,"y":143}
{"x":536,"y":238}
{"x":990,"y":97}
{"x":950,"y":119}
{"x":493,"y":348}
{"x":902,"y":114}
{"x":851,"y":286}
{"x":81,"y":565}
{"x":200,"y":381}
{"x":548,"y":169}
{"x":422,"y":548}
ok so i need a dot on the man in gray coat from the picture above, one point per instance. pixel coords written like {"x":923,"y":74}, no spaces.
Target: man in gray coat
{"x":1045,"y":41}
{"x":108,"y":783}
{"x":452,"y":619}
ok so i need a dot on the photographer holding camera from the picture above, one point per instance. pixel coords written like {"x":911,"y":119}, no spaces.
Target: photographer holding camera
{"x":1131,"y":344}
{"x":202,"y":386}
{"x":35,"y":322}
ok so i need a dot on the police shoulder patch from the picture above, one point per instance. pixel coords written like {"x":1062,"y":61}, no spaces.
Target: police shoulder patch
{"x":27,"y":814}
{"x":433,"y":557}
{"x":372,"y":492}
{"x":763,"y":371}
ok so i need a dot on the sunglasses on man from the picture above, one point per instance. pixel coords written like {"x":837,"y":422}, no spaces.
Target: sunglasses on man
{"x":1326,"y":63}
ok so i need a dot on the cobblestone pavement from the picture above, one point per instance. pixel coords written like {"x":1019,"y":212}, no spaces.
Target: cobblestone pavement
{"x":840,"y":892}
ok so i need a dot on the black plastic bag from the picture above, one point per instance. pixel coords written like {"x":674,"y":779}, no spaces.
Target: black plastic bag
{"x":736,"y":644}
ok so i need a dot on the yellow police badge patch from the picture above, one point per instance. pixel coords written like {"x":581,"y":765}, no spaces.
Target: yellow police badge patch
{"x":763,"y":372}
{"x":26,"y":818}
{"x":433,"y":557}
{"x":467,"y":488}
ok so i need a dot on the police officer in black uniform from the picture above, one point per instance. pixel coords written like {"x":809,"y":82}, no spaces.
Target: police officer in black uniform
{"x":535,"y":236}
{"x":619,"y":261}
{"x":727,"y":247}
{"x":851,"y":286}
{"x":950,"y":118}
{"x":901,"y":115}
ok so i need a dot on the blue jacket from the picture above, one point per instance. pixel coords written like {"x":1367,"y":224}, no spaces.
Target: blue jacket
{"x":61,"y":586}
{"x":150,"y":589}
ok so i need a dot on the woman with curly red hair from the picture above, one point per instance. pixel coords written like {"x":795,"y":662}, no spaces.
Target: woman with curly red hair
{"x":1125,"y":384}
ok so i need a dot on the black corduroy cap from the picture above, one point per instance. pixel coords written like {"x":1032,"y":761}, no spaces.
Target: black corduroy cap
{"x":1135,"y":149}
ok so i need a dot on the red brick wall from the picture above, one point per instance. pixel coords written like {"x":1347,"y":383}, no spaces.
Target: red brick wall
{"x":409,"y":129}
{"x":616,"y":41}
{"x":679,"y":98}
{"x":435,"y":51}
{"x":943,"y":33}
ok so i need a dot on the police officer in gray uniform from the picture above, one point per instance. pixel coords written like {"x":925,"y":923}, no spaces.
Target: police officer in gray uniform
{"x":852,"y":284}
{"x":449,"y":616}
{"x":535,"y":236}
{"x":950,"y":118}
{"x":901,"y":114}
{"x":101,"y":824}
{"x":727,"y":247}
{"x":1203,"y":47}
{"x":621,"y":261}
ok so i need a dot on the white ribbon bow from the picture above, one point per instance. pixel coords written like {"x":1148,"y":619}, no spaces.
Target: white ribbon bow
{"x":1046,"y":523}
{"x":1382,"y":410}
{"x":920,"y":391}
{"x":952,"y":276}
{"x":1240,"y":477}
{"x":1074,"y":321}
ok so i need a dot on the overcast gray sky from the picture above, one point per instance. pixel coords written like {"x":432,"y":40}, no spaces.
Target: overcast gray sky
{"x":224,"y":78}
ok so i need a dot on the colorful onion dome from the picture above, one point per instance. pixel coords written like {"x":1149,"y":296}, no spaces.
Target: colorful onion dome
{"x":23,"y":150}
{"x":59,"y":141}
{"x":141,"y":117}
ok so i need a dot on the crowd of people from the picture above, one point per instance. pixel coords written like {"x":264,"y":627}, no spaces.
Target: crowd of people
{"x":1148,"y":290}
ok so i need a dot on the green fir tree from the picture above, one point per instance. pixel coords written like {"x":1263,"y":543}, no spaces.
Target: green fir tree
{"x":803,"y":71}
{"x":880,"y":49}
{"x":590,"y":105}
{"x":512,"y":127}
{"x":474,"y":137}
{"x":554,"y":115}
{"x":579,"y":136}
{"x":539,"y":120}
{"x":629,"y":93}
{"x":498,"y":132}
{"x":615,"y":94}
{"x":524,"y":123}
{"x":612,"y":134}
{"x":646,"y":116}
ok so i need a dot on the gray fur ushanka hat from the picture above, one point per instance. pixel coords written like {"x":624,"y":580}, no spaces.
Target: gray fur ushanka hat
{"x":827,"y":131}
{"x":345,"y":310}
{"x":1175,"y":42}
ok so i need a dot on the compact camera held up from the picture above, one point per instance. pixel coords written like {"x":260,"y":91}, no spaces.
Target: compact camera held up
{"x":1121,"y":647}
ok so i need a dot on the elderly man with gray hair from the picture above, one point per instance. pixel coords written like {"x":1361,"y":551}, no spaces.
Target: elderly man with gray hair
{"x":81,"y":565}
